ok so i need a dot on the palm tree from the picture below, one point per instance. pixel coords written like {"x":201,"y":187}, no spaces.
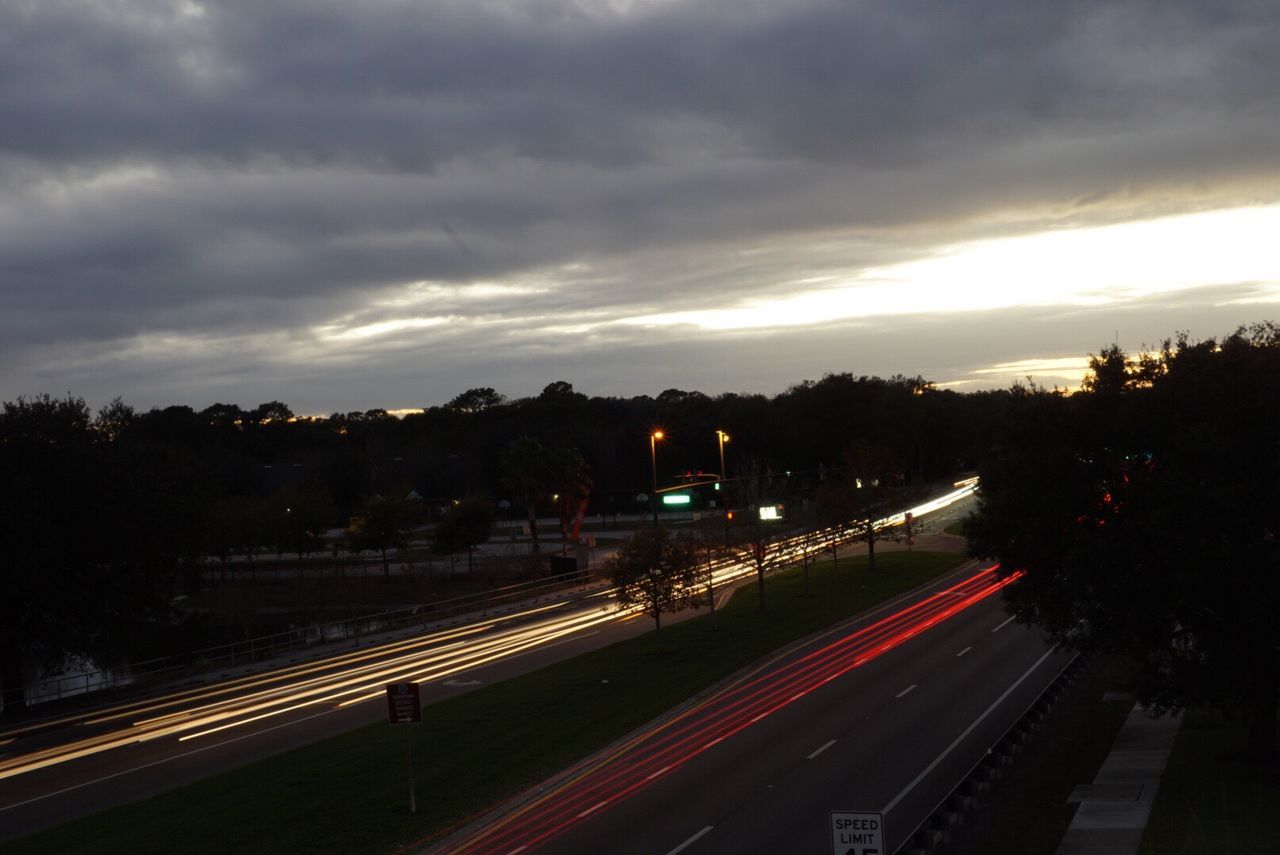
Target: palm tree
{"x":527,"y":473}
{"x":571,"y":480}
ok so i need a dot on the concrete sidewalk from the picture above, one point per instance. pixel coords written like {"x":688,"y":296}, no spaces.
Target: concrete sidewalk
{"x":1114,"y":809}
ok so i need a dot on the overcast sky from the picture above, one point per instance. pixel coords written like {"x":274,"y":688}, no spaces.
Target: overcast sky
{"x":346,"y":205}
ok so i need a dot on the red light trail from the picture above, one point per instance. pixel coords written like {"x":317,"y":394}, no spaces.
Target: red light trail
{"x":666,"y":747}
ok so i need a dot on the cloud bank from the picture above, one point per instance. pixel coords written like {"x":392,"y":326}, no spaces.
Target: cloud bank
{"x":357,"y":204}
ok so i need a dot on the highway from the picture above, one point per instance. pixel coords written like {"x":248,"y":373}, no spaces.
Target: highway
{"x":60,"y":768}
{"x":56,"y":769}
{"x":885,"y":714}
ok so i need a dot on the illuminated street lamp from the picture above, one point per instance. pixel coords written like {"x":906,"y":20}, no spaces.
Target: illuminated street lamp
{"x":722,"y":438}
{"x":653,"y":459}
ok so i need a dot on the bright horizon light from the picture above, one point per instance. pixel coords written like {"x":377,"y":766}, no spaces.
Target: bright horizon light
{"x":1092,"y":266}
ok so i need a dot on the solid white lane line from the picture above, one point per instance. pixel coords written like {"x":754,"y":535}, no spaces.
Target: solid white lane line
{"x":820,"y":750}
{"x":968,"y":730}
{"x":907,"y":689}
{"x":963,"y":652}
{"x":690,"y":841}
{"x":593,"y":808}
{"x":1003,"y":625}
{"x":657,"y":773}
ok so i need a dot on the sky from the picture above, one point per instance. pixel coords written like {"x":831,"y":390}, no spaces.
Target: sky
{"x":345,"y":205}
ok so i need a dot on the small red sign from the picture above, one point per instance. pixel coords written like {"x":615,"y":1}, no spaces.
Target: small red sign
{"x":404,"y":706}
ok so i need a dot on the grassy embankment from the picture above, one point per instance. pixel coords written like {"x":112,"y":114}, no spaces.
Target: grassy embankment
{"x":348,"y":794}
{"x":1210,"y":799}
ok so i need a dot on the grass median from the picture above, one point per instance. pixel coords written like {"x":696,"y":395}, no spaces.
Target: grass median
{"x":348,"y":794}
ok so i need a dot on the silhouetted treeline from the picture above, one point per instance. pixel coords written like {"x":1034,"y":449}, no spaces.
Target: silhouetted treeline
{"x":455,"y":450}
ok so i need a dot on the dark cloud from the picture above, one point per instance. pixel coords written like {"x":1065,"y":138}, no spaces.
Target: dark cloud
{"x":250,"y":173}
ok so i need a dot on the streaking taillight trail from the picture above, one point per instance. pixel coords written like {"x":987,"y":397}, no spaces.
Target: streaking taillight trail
{"x":661,"y":750}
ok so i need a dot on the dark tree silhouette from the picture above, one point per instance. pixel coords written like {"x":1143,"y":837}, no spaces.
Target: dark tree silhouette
{"x":467,"y":524}
{"x":1143,"y":512}
{"x":528,"y":474}
{"x":382,"y":525}
{"x":753,"y":539}
{"x":868,"y":469}
{"x":476,"y":400}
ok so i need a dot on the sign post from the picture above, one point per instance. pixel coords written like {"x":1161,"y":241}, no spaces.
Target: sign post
{"x":404,"y":706}
{"x":855,"y":833}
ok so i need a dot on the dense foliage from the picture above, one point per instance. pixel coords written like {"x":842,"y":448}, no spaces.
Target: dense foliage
{"x":1146,"y":513}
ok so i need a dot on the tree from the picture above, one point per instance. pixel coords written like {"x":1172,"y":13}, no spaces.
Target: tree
{"x":249,"y":518}
{"x":105,"y":528}
{"x":300,"y":518}
{"x":383,"y":524}
{"x":833,"y":512}
{"x":708,"y":539}
{"x":270,"y":412}
{"x":656,"y":572}
{"x":475,"y":400}
{"x":528,"y":474}
{"x":867,"y":468}
{"x":467,"y":524}
{"x":571,"y":482}
{"x":114,"y":419}
{"x":560,"y":390}
{"x":1143,"y":513}
{"x":220,"y":532}
{"x":755,"y":540}
{"x":808,"y":537}
{"x":46,"y":463}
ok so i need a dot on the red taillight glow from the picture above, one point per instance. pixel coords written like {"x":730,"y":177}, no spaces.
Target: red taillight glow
{"x":669,"y":745}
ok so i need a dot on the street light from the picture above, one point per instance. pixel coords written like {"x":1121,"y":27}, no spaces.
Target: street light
{"x":653,"y":459}
{"x":722,"y":438}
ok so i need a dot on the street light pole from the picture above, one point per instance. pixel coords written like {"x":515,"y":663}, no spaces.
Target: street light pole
{"x":653,"y":461}
{"x":722,"y":438}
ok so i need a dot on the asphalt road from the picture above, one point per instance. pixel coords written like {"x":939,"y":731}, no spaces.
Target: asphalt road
{"x":90,"y":761}
{"x":759,"y":768}
{"x":81,"y":763}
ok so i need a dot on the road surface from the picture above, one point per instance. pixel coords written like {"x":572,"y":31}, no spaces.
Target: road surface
{"x":884,"y":716}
